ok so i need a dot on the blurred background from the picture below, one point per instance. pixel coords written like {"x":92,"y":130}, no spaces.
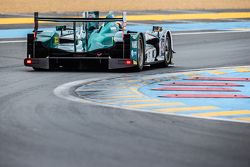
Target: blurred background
{"x":29,"y":6}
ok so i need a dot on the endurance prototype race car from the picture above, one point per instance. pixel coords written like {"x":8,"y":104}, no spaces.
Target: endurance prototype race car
{"x":94,"y":41}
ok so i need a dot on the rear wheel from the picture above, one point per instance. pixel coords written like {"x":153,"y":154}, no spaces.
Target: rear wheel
{"x":140,"y":55}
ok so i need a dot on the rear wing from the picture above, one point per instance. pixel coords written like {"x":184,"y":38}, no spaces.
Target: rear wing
{"x":77,"y":20}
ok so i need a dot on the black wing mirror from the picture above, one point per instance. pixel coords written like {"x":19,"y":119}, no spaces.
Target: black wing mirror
{"x":157,"y":28}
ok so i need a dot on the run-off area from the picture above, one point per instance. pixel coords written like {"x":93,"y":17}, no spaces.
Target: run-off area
{"x":222,"y":94}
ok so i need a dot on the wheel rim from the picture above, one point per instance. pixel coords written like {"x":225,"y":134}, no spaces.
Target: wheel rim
{"x":140,"y":54}
{"x":167,"y":51}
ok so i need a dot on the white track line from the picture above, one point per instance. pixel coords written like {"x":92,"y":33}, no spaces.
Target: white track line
{"x":210,"y":32}
{"x":176,"y":34}
{"x":17,"y":41}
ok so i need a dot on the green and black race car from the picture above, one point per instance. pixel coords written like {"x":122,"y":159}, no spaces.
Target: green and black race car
{"x":94,"y":41}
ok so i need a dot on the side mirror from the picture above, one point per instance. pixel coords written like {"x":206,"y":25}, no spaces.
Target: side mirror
{"x":157,"y":28}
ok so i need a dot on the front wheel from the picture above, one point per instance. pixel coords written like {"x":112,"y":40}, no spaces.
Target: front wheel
{"x":140,"y":55}
{"x":168,"y":52}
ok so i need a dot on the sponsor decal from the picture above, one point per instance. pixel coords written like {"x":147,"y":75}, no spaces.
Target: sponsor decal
{"x":134,"y":44}
{"x":56,"y":40}
{"x":134,"y":54}
{"x":113,"y":28}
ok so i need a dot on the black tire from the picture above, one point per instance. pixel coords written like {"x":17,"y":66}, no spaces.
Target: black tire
{"x":140,"y":55}
{"x":168,"y":53}
{"x":38,"y":69}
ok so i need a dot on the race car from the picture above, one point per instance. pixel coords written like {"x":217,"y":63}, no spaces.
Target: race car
{"x":91,"y":40}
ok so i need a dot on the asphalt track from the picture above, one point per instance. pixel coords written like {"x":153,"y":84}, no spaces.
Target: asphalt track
{"x":38,"y":129}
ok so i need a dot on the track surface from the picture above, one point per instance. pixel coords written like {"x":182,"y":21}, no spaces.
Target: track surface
{"x":37,"y":129}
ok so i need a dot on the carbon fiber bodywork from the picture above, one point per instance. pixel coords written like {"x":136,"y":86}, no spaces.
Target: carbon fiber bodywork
{"x":109,"y":45}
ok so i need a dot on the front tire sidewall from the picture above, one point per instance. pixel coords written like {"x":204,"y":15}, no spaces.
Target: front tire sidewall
{"x":168,"y":56}
{"x":140,"y":55}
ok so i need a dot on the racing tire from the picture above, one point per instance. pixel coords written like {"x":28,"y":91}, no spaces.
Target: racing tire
{"x":38,"y":69}
{"x":168,"y":53}
{"x":140,"y":55}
